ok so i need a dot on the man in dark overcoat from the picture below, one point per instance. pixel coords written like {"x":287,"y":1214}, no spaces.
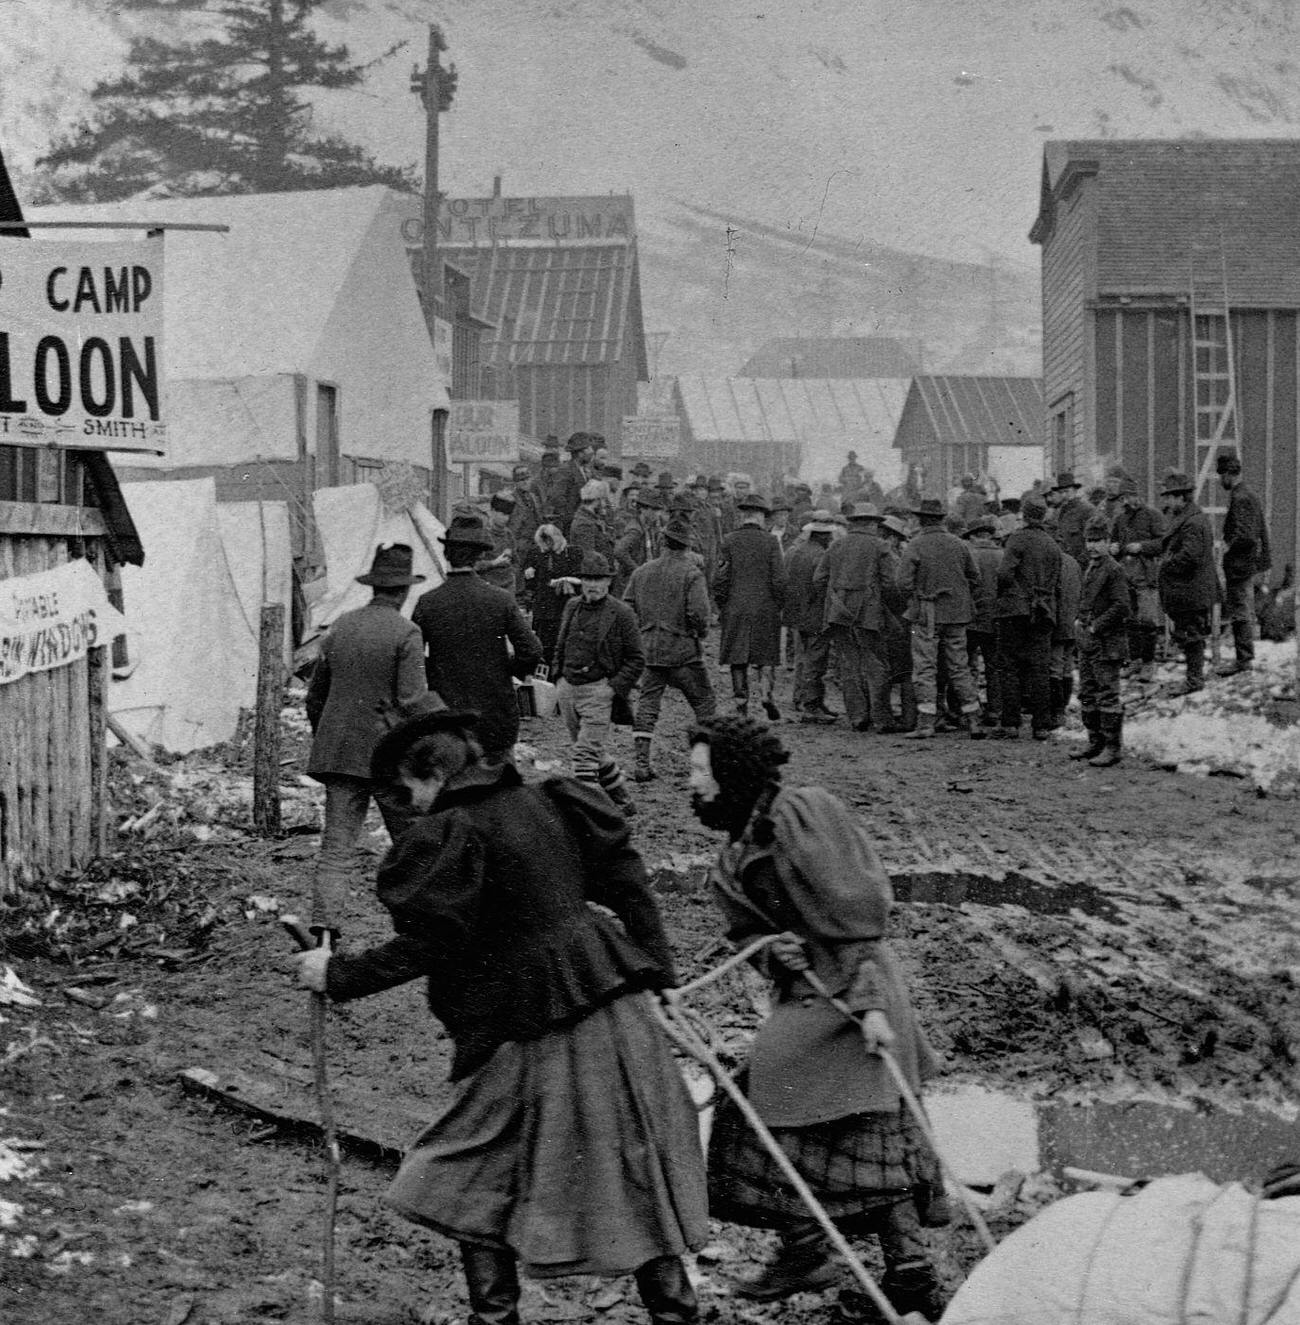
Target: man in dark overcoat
{"x":937,"y":575}
{"x":641,"y":540}
{"x":1072,"y":514}
{"x":371,"y":667}
{"x":805,"y":615}
{"x":1189,"y":584}
{"x":574,"y":474}
{"x":1103,"y":647}
{"x":981,"y":634}
{"x":857,"y":577}
{"x":1246,"y":557}
{"x":1025,"y":612}
{"x":466,"y":625}
{"x":671,"y":602}
{"x":526,"y":518}
{"x":1138,"y":523}
{"x":749,"y":589}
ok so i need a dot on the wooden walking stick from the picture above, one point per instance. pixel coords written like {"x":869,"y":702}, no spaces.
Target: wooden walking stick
{"x":325,"y":1104}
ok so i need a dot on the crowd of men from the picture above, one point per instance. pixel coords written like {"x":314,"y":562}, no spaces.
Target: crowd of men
{"x":930,"y":616}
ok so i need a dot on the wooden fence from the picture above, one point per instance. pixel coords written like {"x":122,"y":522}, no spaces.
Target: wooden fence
{"x":52,"y":751}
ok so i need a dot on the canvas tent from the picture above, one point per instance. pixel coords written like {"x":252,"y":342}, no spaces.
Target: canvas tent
{"x":191,"y":639}
{"x":352,"y":522}
{"x":257,"y":543}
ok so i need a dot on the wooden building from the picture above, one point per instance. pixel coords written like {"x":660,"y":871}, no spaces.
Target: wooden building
{"x":973,"y":425}
{"x":56,"y":506}
{"x":554,"y":284}
{"x":1134,"y":235}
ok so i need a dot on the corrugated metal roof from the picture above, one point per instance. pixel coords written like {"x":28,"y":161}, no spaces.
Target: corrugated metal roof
{"x":558,"y":304}
{"x":835,"y":356}
{"x":1163,"y":202}
{"x":980,"y":411}
{"x":826,"y":416}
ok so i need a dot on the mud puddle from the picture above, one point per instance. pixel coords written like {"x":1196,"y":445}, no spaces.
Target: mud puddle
{"x":953,"y":887}
{"x":986,"y":1132}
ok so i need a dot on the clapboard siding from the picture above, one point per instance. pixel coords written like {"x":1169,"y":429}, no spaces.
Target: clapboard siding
{"x":1067,"y":285}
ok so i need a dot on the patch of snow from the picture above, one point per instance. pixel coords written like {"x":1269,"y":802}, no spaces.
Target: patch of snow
{"x":14,"y":1164}
{"x":10,"y":1213}
{"x":12,"y":990}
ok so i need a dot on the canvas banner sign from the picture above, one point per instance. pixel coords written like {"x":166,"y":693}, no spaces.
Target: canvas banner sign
{"x":52,"y":618}
{"x":81,"y":345}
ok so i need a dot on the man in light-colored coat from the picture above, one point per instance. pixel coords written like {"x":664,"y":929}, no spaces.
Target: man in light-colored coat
{"x":370,"y":670}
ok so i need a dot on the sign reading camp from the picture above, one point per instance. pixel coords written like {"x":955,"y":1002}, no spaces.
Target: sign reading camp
{"x":81,"y":345}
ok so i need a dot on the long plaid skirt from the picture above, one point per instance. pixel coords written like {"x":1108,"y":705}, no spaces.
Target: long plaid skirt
{"x":854,"y":1165}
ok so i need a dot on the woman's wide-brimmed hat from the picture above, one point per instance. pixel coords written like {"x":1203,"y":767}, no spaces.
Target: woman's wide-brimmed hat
{"x":423,"y":720}
{"x":391,"y":568}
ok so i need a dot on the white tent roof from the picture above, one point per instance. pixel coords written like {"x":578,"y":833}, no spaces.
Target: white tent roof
{"x":352,"y":523}
{"x":254,"y":301}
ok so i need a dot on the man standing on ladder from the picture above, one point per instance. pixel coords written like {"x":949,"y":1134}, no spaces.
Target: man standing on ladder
{"x":1246,"y":557}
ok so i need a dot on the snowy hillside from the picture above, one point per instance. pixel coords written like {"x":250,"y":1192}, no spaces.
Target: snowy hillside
{"x":877,"y":164}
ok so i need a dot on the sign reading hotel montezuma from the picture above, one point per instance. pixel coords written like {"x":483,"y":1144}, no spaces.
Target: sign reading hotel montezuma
{"x":81,"y":345}
{"x":482,"y":222}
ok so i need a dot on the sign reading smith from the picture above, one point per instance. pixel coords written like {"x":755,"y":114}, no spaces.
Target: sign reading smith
{"x":482,"y":222}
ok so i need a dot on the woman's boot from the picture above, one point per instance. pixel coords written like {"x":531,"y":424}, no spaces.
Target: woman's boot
{"x":803,"y":1264}
{"x":666,"y":1292}
{"x":492,"y":1279}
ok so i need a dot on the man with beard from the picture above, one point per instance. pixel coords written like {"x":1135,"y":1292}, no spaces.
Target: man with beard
{"x":640,"y":541}
{"x":1189,"y":584}
{"x":1137,"y":523}
{"x":798,"y":864}
{"x":598,"y":659}
{"x":565,"y":493}
{"x":1072,"y":514}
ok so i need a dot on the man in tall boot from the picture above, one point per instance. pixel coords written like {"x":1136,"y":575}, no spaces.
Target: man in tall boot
{"x":1246,"y":557}
{"x":1136,"y":522}
{"x":1189,"y":585}
{"x":1103,"y":646}
{"x":671,"y":604}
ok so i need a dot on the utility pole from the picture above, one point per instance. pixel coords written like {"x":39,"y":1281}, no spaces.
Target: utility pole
{"x":435,"y":87}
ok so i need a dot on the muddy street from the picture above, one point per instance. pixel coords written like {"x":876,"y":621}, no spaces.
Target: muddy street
{"x":1107,"y":960}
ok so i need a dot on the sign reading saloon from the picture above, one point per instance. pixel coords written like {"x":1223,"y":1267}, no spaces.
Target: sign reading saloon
{"x":81,"y":345}
{"x":483,"y":432}
{"x":481,"y":222}
{"x":52,"y":618}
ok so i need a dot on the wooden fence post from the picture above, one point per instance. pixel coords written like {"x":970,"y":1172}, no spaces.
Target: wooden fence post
{"x":266,"y":727}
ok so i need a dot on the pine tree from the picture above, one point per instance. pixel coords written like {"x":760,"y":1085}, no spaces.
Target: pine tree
{"x":216,"y":112}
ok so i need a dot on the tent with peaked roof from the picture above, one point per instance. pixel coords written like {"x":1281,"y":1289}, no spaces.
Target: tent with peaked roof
{"x":192,"y":648}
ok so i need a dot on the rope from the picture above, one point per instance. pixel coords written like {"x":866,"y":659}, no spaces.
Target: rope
{"x":681,"y":1034}
{"x":736,"y":959}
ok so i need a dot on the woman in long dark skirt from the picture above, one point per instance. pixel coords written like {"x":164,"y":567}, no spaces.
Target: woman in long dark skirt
{"x":546,"y":565}
{"x":571,"y":1145}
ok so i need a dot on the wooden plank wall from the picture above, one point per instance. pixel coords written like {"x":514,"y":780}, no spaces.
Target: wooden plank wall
{"x":52,"y":763}
{"x":1144,"y":396}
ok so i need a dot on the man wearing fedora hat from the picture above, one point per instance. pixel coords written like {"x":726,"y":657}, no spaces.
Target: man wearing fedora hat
{"x":570,"y":1143}
{"x":598,"y":659}
{"x":804,"y":614}
{"x":1072,"y":515}
{"x":1246,"y":557}
{"x":857,"y":577}
{"x":566,"y":494}
{"x":749,"y":589}
{"x":466,"y":625}
{"x":640,"y":541}
{"x":371,"y":666}
{"x":938,"y":577}
{"x":671,"y":601}
{"x":1188,"y":582}
{"x":1137,"y":523}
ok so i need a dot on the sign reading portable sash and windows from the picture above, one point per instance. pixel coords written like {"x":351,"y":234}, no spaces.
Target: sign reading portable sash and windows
{"x":81,"y":346}
{"x":52,"y":618}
